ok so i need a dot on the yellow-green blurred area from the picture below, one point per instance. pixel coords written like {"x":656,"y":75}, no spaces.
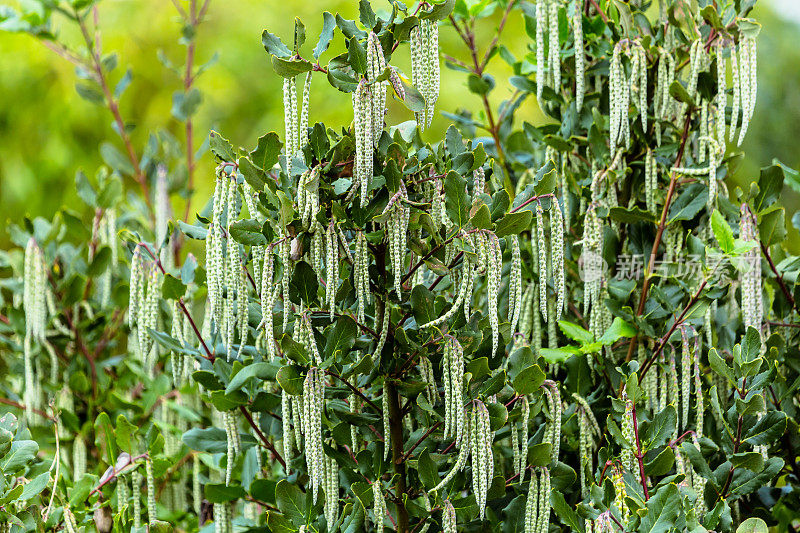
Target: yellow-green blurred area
{"x":47,"y":131}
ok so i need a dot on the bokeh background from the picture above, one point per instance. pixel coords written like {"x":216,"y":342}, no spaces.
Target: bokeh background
{"x":47,"y":131}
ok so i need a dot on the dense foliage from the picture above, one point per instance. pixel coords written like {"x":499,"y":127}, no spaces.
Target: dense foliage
{"x":573,"y":326}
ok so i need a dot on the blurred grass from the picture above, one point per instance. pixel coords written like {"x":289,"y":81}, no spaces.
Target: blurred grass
{"x":47,"y":131}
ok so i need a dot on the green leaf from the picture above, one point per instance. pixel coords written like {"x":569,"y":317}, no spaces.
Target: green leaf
{"x":718,"y":365}
{"x":85,"y":189}
{"x":752,"y":461}
{"x":558,"y":355}
{"x":679,"y":92}
{"x":565,"y":513}
{"x":575,"y":332}
{"x":184,"y":104}
{"x":427,"y":470}
{"x":193,"y":232}
{"x":772,"y":228}
{"x":100,"y":262}
{"x":252,"y":175}
{"x":631,"y":215}
{"x":340,"y":338}
{"x":299,"y":34}
{"x":770,"y":185}
{"x":290,"y":380}
{"x":744,"y":481}
{"x":262,"y":371}
{"x":248,"y":232}
{"x":751,"y":345}
{"x":753,"y":525}
{"x":115,"y":159}
{"x":267,"y":151}
{"x":722,"y":231}
{"x":661,"y":464}
{"x":514,"y":223}
{"x":366,"y":14}
{"x":104,"y":438}
{"x":211,"y":440}
{"x":481,"y":218}
{"x":456,"y":205}
{"x":90,"y":93}
{"x":440,"y":10}
{"x":689,"y":203}
{"x":172,"y":288}
{"x":422,"y":304}
{"x":618,"y":329}
{"x":540,"y":454}
{"x":767,"y":430}
{"x":273,"y":45}
{"x":357,"y":55}
{"x":661,"y":428}
{"x":221,"y":493}
{"x":35,"y":486}
{"x":304,"y":284}
{"x":292,"y":502}
{"x":20,"y":454}
{"x":326,"y":35}
{"x":529,"y":380}
{"x":125,"y":435}
{"x":662,"y":510}
{"x":290,"y":68}
{"x":221,"y":148}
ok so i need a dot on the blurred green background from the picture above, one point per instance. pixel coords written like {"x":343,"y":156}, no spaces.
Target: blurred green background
{"x":47,"y":131}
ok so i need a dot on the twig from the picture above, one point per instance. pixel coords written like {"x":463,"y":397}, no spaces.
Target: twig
{"x":113,"y":106}
{"x":639,"y":455}
{"x":267,"y":444}
{"x":662,"y":224}
{"x":12,"y":403}
{"x":354,"y":389}
{"x":778,"y":276}
{"x":663,"y":342}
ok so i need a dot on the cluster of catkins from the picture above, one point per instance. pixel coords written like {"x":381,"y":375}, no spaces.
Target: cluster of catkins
{"x":369,"y":107}
{"x":145,"y":291}
{"x":548,"y":73}
{"x":425,"y":67}
{"x":226,"y":276}
{"x":296,"y":127}
{"x":624,"y":89}
{"x":752,"y":305}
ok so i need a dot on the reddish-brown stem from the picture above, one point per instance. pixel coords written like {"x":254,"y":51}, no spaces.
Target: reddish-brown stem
{"x":778,"y":277}
{"x":468,"y":36}
{"x":422,"y":438}
{"x":597,"y":7}
{"x":531,"y":200}
{"x":685,"y":433}
{"x":193,"y":18}
{"x":209,"y":354}
{"x":116,"y":472}
{"x":354,"y":389}
{"x":678,"y":321}
{"x":267,"y":444}
{"x":113,"y":106}
{"x":12,"y":403}
{"x":488,"y":54}
{"x":662,"y":224}
{"x":639,"y":455}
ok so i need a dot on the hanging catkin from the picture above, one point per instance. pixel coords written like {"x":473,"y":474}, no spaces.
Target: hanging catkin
{"x":313,"y":399}
{"x":580,"y":58}
{"x":482,"y":457}
{"x":752,"y":307}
